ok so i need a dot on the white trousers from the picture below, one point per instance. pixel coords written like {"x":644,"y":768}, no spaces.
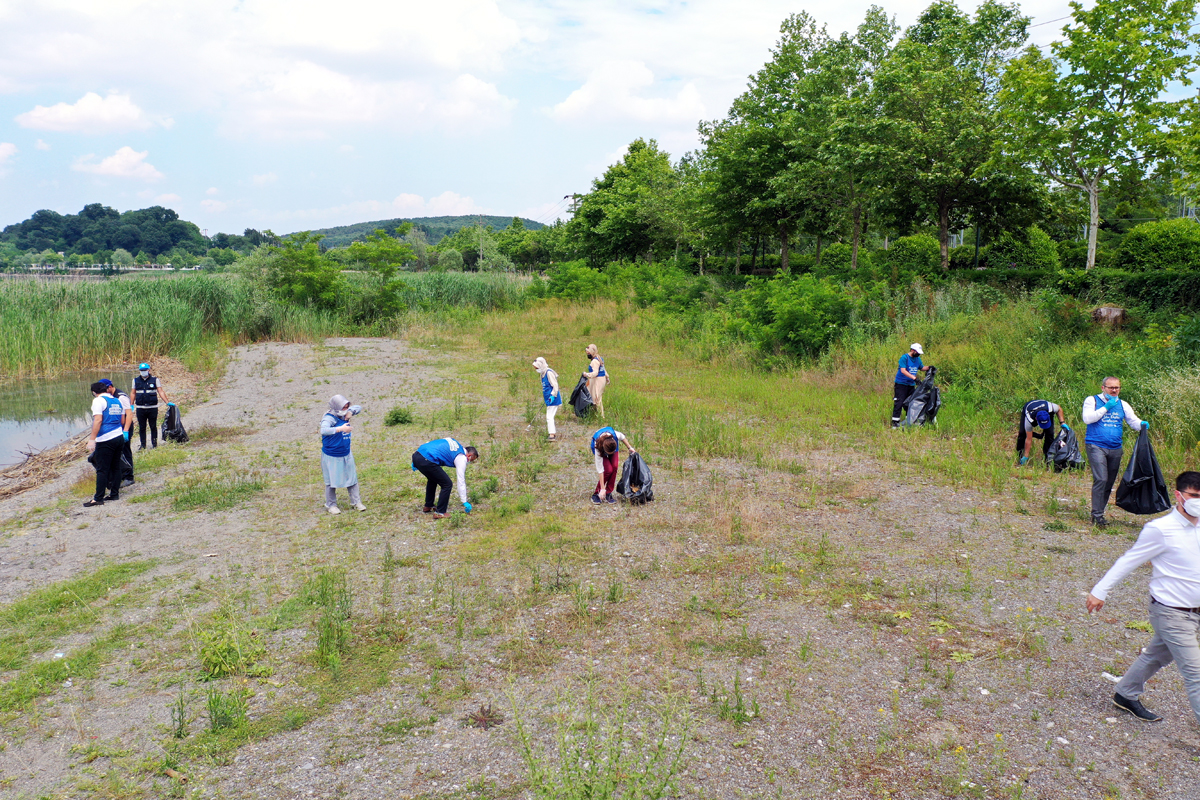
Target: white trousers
{"x":550,"y":412}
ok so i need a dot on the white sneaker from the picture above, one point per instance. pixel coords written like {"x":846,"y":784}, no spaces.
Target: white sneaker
{"x":333,"y":509}
{"x":360,"y":507}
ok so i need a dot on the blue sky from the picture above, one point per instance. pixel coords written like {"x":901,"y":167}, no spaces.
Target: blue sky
{"x":294,"y":114}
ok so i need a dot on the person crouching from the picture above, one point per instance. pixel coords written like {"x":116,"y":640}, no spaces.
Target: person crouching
{"x":337,"y":462}
{"x":604,"y":449}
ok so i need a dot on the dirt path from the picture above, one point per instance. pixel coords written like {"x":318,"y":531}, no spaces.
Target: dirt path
{"x":897,"y":637}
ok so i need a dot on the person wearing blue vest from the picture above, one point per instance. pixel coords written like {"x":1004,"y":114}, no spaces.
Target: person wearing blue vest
{"x":906,"y":379}
{"x":126,"y":450}
{"x":430,"y":459}
{"x":550,"y":393}
{"x":1036,"y":421}
{"x":337,"y":462}
{"x":105,"y":443}
{"x":1105,"y":414}
{"x":597,"y":377}
{"x":604,"y":449}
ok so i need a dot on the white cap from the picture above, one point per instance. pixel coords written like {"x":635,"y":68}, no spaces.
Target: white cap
{"x":916,"y":346}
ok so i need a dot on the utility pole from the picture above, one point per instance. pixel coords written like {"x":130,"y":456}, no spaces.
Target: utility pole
{"x":574,"y":198}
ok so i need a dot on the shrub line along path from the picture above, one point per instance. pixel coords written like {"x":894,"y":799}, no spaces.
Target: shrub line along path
{"x":899,"y":636}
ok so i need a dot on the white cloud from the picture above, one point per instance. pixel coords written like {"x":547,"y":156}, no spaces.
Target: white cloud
{"x":168,"y":199}
{"x":92,"y":114}
{"x":471,"y":102}
{"x":41,"y":145}
{"x":213,"y":206}
{"x":346,"y":148}
{"x":7,"y":151}
{"x":211,"y":191}
{"x":614,"y":91}
{"x":125,"y":163}
{"x":265,"y":179}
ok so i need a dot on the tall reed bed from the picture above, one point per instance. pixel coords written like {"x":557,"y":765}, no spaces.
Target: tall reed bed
{"x":486,"y":291}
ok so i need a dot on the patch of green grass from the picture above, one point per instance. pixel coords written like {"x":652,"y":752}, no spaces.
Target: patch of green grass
{"x":215,"y":433}
{"x":165,"y":455}
{"x":214,"y":490}
{"x":36,"y":620}
{"x":398,"y":415}
{"x":47,"y":677}
{"x":405,"y":726}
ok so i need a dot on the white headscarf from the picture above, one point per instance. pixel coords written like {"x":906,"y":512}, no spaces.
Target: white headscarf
{"x":336,"y":404}
{"x":540,"y":365}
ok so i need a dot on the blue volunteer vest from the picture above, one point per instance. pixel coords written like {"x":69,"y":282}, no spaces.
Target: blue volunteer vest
{"x":912,"y":364}
{"x":601,"y":432}
{"x":547,"y":389}
{"x":442,"y":451}
{"x":601,"y":373}
{"x":112,"y":418}
{"x":336,"y":444}
{"x":1032,"y":408}
{"x":1106,"y":432}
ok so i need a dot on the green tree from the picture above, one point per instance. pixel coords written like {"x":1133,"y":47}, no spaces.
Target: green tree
{"x":1093,"y":110}
{"x":121,"y":258}
{"x":300,"y":273}
{"x":940,"y":128}
{"x":383,"y":255}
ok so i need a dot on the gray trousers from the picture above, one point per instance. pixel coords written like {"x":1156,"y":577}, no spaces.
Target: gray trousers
{"x":1106,"y":466}
{"x":331,"y":495}
{"x":1176,"y":638}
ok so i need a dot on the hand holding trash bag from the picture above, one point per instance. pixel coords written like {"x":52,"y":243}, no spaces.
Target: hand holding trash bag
{"x":1143,"y":489}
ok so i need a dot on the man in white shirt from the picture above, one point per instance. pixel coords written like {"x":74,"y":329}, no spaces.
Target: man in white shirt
{"x":1172,"y":546}
{"x":1105,"y":416}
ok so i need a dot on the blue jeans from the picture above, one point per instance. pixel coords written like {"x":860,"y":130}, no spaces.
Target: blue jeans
{"x":1176,"y":638}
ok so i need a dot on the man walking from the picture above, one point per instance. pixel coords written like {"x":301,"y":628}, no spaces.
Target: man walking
{"x":1104,"y":414}
{"x":147,"y":390}
{"x":1037,"y":422}
{"x":105,"y":444}
{"x":1172,"y":547}
{"x":906,"y":379}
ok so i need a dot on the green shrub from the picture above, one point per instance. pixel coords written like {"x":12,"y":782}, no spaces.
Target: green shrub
{"x":788,"y":315}
{"x":919,"y":254}
{"x":575,"y":280}
{"x":1173,"y":244}
{"x":228,"y":649}
{"x":1028,"y":249}
{"x":399,"y":415}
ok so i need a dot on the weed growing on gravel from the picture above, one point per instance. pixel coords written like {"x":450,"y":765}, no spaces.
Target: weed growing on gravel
{"x":214,"y":490}
{"x":731,"y":706}
{"x":227,"y":648}
{"x":398,"y":415}
{"x":179,"y":717}
{"x":46,"y":677}
{"x":227,"y":709}
{"x":604,"y":751}
{"x":334,"y":602}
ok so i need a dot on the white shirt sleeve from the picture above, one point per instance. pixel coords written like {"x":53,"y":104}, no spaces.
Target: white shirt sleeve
{"x":1148,"y":545}
{"x":1090,"y":412}
{"x":460,"y":467}
{"x":1131,"y":419}
{"x":125,"y":403}
{"x":98,"y":406}
{"x":620,"y":436}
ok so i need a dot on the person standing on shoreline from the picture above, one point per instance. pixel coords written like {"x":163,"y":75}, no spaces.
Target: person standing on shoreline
{"x":430,"y":459}
{"x":1104,"y":414}
{"x":906,"y":379}
{"x":105,"y":443}
{"x":551,"y":393}
{"x":127,"y":429}
{"x":337,"y":462}
{"x":147,"y":391}
{"x":597,"y":377}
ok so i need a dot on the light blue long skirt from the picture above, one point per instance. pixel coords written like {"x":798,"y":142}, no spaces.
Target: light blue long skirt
{"x":339,"y":471}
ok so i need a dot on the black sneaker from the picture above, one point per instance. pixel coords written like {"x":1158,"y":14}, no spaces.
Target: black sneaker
{"x":596,"y":499}
{"x":108,"y":498}
{"x":1100,"y":522}
{"x":1136,"y":708}
{"x":92,"y":503}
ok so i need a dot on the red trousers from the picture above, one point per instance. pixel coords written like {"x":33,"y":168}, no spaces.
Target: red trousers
{"x":608,"y":480}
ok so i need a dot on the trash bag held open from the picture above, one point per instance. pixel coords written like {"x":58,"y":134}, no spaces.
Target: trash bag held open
{"x":1064,"y":451}
{"x":581,"y":399}
{"x":924,"y":402}
{"x":1142,"y":489}
{"x":635,"y":481}
{"x":172,"y":427}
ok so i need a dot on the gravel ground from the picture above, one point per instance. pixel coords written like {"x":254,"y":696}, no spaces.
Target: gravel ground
{"x":898,"y":637}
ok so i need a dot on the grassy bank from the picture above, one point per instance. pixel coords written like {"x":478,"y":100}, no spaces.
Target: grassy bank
{"x":53,"y":327}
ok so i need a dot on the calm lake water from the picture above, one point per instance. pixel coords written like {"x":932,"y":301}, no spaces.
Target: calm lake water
{"x":40,"y":413}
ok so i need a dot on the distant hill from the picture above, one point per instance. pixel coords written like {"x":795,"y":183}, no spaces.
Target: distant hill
{"x":435,"y":228}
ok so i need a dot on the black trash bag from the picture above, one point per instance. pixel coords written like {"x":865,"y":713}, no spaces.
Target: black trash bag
{"x":581,"y":399}
{"x":172,"y":427}
{"x":1142,"y":489}
{"x":126,"y":469}
{"x":1064,"y":451}
{"x":635,"y":482}
{"x":924,"y":402}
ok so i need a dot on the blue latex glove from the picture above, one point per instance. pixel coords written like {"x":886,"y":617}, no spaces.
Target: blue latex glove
{"x":414,"y":466}
{"x":1066,"y":427}
{"x":1145,"y":425}
{"x":126,"y":433}
{"x":170,"y":404}
{"x":1112,"y":403}
{"x":1024,"y":460}
{"x":467,"y":507}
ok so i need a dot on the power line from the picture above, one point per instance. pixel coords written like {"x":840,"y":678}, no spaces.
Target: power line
{"x":1050,"y":21}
